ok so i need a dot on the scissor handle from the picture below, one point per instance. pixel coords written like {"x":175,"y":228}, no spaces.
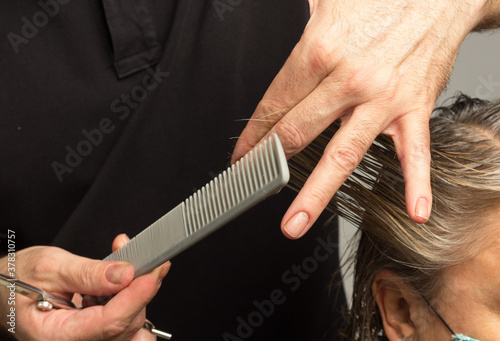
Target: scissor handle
{"x":149,"y":326}
{"x":46,"y":301}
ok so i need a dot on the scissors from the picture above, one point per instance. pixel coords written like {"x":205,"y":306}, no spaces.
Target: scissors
{"x":46,"y":301}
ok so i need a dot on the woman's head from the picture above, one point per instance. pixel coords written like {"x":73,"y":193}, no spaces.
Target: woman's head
{"x":452,"y":259}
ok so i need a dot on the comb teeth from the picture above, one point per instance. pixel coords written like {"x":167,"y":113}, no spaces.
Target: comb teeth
{"x":248,"y":175}
{"x":257,"y":175}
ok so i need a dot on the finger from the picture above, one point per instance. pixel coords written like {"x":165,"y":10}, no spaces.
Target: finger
{"x":77,"y":300}
{"x":130,"y":301}
{"x":341,"y":156}
{"x":123,"y":316}
{"x":412,"y":142}
{"x":312,"y":116}
{"x":144,"y":334}
{"x":60,"y":271}
{"x":300,"y":75}
{"x":119,"y":241}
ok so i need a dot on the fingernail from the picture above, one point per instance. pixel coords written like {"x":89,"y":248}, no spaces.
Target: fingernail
{"x":125,"y":238}
{"x":115,"y":272}
{"x":164,"y":270}
{"x":422,"y":209}
{"x":296,"y":225}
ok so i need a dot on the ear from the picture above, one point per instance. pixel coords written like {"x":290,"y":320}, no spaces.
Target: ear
{"x":394,"y":302}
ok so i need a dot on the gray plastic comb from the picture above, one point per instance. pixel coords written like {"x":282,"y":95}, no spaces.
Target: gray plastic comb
{"x":260,"y":173}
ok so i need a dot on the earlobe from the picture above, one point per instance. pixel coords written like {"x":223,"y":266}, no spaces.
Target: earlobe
{"x":393,"y":301}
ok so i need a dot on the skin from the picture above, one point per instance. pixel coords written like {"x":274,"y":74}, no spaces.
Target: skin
{"x":60,"y":272}
{"x":471,"y":305}
{"x":377,"y":65}
{"x":469,"y":302}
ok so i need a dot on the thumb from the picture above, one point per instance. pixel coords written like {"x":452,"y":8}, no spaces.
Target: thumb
{"x":93,"y":277}
{"x":63,"y":272}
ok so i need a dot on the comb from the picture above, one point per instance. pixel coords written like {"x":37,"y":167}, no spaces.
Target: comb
{"x":259,"y":174}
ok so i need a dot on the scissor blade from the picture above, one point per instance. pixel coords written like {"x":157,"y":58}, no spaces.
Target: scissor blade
{"x":35,"y":293}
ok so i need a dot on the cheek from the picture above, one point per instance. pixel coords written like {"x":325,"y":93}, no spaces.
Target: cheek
{"x":466,"y":314}
{"x":479,"y":323}
{"x":429,"y":327}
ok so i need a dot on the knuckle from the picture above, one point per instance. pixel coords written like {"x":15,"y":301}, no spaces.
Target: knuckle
{"x":44,"y":261}
{"x":320,"y":195}
{"x":389,"y":85}
{"x":291,"y":136}
{"x":84,"y":275}
{"x":321,"y":57}
{"x":370,"y":84}
{"x":417,"y":154}
{"x":388,"y":95}
{"x":344,"y":159}
{"x":137,"y":324}
{"x":123,"y":330}
{"x":354,"y":83}
{"x":271,"y":109}
{"x":422,"y":152}
{"x":114,"y":329}
{"x":87,"y":273}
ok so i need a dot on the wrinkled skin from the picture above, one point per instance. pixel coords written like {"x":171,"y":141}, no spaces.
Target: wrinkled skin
{"x":378,"y":66}
{"x":58,"y":271}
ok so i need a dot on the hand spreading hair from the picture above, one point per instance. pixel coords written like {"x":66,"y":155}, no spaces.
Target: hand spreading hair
{"x":378,"y":66}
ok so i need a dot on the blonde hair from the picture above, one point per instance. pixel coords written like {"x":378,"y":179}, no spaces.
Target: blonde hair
{"x":465,"y":179}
